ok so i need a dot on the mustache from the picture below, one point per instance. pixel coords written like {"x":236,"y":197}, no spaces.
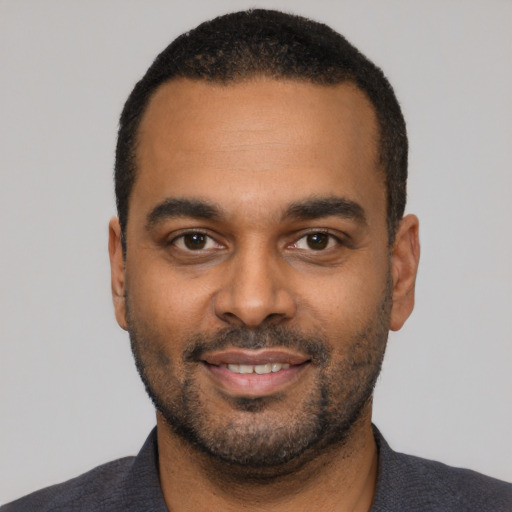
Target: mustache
{"x":314,"y":346}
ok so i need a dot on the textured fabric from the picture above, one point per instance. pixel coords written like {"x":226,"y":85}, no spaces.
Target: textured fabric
{"x":404,"y":483}
{"x":129,"y":484}
{"x":411,"y":484}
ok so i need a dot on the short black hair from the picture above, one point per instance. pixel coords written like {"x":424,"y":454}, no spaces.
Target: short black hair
{"x":258,"y":42}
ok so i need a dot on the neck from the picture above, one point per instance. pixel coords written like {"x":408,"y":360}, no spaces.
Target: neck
{"x":341,"y":478}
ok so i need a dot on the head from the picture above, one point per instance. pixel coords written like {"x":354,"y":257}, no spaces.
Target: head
{"x":240,"y":46}
{"x":260,"y":257}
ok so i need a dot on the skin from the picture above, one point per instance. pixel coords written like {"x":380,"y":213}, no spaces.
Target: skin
{"x":252,"y":149}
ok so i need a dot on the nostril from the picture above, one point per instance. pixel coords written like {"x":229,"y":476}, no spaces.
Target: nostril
{"x":274,"y":318}
{"x":234,"y":320}
{"x":231,"y":319}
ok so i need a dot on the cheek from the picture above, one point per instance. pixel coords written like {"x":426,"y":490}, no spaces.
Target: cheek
{"x":172,"y":302}
{"x":346,"y":301}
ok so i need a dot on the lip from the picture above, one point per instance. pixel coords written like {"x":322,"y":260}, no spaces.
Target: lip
{"x":254,"y":357}
{"x":253,"y":385}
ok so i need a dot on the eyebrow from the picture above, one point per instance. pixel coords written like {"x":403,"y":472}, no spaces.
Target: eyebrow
{"x":308,"y":209}
{"x":177,"y":207}
{"x":319,"y":207}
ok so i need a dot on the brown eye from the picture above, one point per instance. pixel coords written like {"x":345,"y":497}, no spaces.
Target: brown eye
{"x":317,"y":241}
{"x":195,"y":241}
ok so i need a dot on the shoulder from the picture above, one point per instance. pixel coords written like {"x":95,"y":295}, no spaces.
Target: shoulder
{"x":129,"y":484}
{"x":412,"y":483}
{"x":442,"y":487}
{"x":98,"y":489}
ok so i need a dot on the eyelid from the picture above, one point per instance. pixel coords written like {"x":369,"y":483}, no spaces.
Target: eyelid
{"x":339,"y":238}
{"x":336,"y":240}
{"x":179,"y":235}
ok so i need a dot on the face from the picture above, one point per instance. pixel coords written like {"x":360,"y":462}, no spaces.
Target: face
{"x":258,"y":287}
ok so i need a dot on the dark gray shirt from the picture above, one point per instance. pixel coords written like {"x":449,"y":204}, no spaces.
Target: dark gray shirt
{"x":404,"y":483}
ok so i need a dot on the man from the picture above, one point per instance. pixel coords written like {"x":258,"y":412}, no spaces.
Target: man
{"x":258,"y":262}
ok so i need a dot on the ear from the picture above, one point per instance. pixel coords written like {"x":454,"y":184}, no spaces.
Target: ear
{"x":117,"y":271}
{"x":404,"y":266}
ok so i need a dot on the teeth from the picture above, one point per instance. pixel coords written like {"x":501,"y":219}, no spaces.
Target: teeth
{"x":260,"y":369}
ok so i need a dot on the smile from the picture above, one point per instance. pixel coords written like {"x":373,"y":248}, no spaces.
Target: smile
{"x":260,"y":369}
{"x":254,"y":373}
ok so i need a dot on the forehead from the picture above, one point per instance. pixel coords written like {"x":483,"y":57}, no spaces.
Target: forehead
{"x":236,"y":141}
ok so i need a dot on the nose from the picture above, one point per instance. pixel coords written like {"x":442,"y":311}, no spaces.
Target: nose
{"x":254,"y":291}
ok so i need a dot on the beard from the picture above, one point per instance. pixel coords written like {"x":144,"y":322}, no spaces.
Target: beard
{"x":264,"y":432}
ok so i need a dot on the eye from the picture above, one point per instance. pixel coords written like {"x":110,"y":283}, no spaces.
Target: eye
{"x":317,"y":241}
{"x":194,"y":241}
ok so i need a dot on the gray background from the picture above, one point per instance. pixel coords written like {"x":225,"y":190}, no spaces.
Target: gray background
{"x":70,"y":396}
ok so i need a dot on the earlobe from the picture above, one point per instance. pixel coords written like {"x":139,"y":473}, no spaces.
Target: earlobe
{"x":117,"y":271}
{"x":404,"y":267}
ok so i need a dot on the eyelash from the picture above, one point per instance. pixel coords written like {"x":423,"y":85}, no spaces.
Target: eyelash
{"x":331,"y":239}
{"x":182,"y":236}
{"x":322,"y":232}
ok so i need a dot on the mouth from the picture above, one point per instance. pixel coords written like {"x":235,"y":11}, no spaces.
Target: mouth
{"x":254,"y":373}
{"x":260,"y":369}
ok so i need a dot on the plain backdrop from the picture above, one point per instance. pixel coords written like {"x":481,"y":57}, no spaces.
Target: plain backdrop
{"x":70,"y":396}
